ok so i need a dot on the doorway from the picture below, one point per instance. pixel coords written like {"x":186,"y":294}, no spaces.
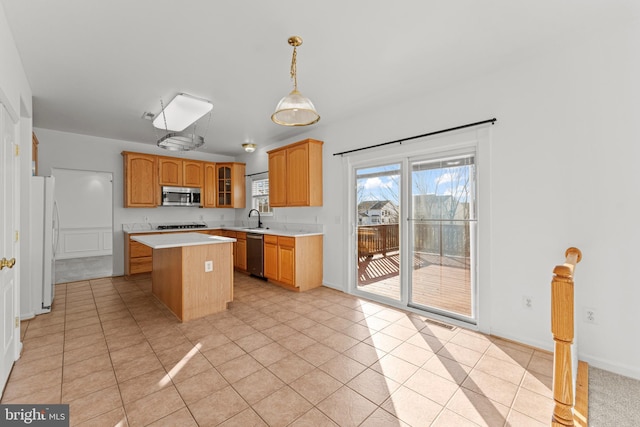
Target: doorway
{"x":378,"y":190}
{"x":442,"y":235}
{"x":415,"y":233}
{"x":84,"y":201}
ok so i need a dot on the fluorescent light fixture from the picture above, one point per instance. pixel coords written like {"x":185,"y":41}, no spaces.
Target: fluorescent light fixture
{"x":182,"y":111}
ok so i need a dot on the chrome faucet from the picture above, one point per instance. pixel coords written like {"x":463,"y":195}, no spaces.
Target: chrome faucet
{"x":259,"y":221}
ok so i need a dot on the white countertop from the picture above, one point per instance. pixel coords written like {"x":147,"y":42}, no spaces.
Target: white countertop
{"x":140,"y":229}
{"x":173,"y":240}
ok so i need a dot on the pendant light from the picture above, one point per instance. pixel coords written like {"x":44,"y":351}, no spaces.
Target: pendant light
{"x":295,"y":109}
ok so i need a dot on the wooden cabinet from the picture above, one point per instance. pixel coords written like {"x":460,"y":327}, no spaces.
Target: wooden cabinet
{"x":239,"y":248}
{"x":222,"y":184}
{"x":270,"y":257}
{"x":295,"y":174}
{"x":241,"y":251}
{"x":293,"y":262}
{"x":138,"y":258}
{"x":192,"y":175}
{"x":141,"y":188}
{"x":180,"y":172}
{"x":210,"y":184}
{"x":231,"y":191}
{"x":287,"y":260}
{"x":170,"y":171}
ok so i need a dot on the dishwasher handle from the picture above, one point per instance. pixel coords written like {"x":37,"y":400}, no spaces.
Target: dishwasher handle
{"x":254,"y":236}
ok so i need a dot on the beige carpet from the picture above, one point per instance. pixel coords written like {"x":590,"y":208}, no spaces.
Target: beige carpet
{"x":614,"y":400}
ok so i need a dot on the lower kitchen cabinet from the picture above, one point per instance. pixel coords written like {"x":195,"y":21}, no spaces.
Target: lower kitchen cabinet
{"x":137,"y":257}
{"x":293,"y":262}
{"x":239,"y":248}
{"x":271,"y":257}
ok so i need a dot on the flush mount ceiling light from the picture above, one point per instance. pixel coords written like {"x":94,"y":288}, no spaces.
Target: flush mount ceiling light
{"x":249,"y":148}
{"x":183,"y":111}
{"x":295,"y":109}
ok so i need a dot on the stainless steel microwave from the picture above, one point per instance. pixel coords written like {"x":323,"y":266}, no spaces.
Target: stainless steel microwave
{"x":180,"y":196}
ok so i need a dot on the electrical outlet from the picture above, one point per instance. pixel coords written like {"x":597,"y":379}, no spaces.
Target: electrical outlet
{"x":527,"y":302}
{"x":590,"y":315}
{"x":208,"y":266}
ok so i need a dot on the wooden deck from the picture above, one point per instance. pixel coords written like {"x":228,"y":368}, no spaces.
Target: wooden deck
{"x":438,"y":281}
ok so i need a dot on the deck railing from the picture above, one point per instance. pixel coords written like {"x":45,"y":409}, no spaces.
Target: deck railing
{"x":440,"y":237}
{"x":567,"y":411}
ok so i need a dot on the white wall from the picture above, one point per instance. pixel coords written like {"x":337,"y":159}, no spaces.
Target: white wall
{"x":84,"y":201}
{"x":72,"y":151}
{"x":562,"y":174}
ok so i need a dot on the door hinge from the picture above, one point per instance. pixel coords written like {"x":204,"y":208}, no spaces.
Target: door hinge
{"x":17,"y":322}
{"x":17,"y":150}
{"x":17,"y":236}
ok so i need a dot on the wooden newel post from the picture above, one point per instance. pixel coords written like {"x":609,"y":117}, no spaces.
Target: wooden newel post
{"x":562,"y":322}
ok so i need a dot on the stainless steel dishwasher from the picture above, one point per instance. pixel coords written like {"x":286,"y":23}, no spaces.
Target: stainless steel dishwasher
{"x":255,"y":254}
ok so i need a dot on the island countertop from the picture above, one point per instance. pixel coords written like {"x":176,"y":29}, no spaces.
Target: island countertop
{"x":174,"y":240}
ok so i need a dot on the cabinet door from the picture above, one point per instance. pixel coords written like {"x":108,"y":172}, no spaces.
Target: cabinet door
{"x":271,"y":260}
{"x":277,"y":178}
{"x":286,"y":260}
{"x":241,"y":254}
{"x":192,"y":173}
{"x":210,"y":181}
{"x":170,"y":171}
{"x":224,"y":186}
{"x":298,"y":175}
{"x":140,"y":181}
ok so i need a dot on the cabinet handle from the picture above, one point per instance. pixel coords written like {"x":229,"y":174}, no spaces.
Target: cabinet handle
{"x":7,"y":263}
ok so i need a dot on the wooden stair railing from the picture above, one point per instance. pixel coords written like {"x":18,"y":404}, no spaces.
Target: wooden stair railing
{"x":567,"y":411}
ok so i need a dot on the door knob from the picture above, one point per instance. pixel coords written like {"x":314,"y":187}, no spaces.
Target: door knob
{"x":7,"y":263}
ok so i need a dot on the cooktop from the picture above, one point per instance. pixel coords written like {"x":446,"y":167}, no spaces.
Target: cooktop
{"x":180,"y":226}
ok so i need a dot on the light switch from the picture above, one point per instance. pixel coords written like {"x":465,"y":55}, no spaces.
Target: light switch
{"x":208,"y":266}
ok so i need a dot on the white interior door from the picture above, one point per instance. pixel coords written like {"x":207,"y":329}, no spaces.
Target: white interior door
{"x":9,"y":330}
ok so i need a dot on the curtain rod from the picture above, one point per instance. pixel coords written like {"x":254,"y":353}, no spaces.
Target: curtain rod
{"x":400,"y":141}
{"x":257,"y":173}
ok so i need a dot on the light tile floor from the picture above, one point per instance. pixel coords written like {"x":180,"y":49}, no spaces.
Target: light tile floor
{"x":321,"y":358}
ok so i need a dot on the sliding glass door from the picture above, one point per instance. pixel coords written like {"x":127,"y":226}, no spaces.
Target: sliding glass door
{"x":416,"y":227}
{"x":442,"y":236}
{"x":378,"y":230}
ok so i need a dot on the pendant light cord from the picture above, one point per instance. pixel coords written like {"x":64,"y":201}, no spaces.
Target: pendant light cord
{"x":294,"y":75}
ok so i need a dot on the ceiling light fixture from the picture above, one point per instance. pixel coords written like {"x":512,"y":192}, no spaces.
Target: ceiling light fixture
{"x":295,"y":109}
{"x":249,"y":148}
{"x":183,"y":110}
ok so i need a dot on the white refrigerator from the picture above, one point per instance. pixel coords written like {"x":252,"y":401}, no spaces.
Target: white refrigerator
{"x":44,"y":240}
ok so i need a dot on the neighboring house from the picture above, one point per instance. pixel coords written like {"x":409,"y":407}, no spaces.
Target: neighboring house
{"x":372,"y":212}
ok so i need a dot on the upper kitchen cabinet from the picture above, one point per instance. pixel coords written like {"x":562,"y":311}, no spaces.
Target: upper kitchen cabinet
{"x":210,"y":184}
{"x":180,"y":172}
{"x":231,"y":185}
{"x":295,"y":174}
{"x":140,"y":180}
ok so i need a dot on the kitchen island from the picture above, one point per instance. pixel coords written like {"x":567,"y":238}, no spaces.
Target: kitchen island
{"x":192,"y":272}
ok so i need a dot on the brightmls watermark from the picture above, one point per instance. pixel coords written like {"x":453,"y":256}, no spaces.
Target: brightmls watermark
{"x":34,"y":415}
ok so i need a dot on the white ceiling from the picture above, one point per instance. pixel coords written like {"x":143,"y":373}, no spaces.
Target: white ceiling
{"x":96,"y":66}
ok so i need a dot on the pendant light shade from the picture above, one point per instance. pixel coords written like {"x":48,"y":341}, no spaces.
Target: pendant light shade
{"x":295,"y":109}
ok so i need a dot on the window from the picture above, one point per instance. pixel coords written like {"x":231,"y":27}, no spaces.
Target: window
{"x":260,"y":196}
